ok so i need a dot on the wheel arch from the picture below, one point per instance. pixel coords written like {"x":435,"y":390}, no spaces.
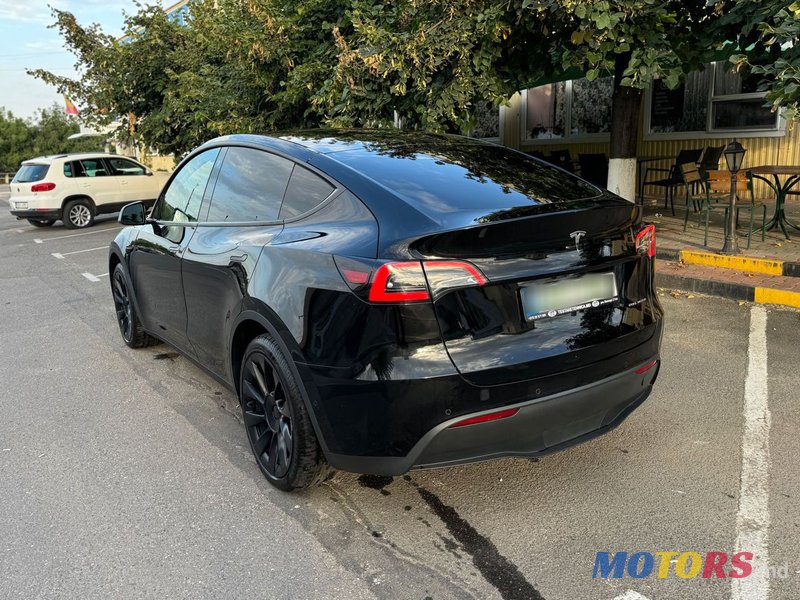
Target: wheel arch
{"x":72,"y":197}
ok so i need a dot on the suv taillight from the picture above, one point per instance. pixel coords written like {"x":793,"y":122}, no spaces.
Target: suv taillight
{"x":408,"y":281}
{"x":646,"y":241}
{"x":43,"y":187}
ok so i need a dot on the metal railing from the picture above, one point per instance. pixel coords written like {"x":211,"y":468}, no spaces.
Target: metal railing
{"x":6,"y":177}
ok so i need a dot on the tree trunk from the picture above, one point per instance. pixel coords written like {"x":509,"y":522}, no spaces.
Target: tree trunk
{"x":625,"y":109}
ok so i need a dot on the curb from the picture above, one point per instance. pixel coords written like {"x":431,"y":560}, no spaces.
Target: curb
{"x":733,"y":291}
{"x":746,"y":264}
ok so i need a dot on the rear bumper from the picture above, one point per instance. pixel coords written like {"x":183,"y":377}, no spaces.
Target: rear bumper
{"x":541,"y":426}
{"x":49,"y":213}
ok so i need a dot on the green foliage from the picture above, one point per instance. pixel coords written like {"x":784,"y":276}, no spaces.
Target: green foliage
{"x":46,"y":133}
{"x":260,"y":65}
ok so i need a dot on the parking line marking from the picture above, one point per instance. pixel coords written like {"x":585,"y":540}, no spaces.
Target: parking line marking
{"x":62,"y":255}
{"x":94,"y":278}
{"x":752,"y":519}
{"x":61,"y":237}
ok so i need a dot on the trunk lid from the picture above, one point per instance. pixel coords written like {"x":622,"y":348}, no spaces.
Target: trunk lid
{"x":565,"y":288}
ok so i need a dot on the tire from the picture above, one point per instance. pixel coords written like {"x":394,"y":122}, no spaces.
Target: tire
{"x":41,"y":222}
{"x":78,"y":214}
{"x":129,"y":325}
{"x":277,"y":423}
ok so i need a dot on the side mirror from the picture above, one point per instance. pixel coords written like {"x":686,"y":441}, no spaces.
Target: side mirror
{"x":132,"y":214}
{"x":148,"y":172}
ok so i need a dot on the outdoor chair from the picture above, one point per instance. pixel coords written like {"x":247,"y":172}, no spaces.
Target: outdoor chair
{"x":699,"y":194}
{"x":710,"y":159}
{"x":673,"y":179}
{"x":713,"y":191}
{"x":719,"y":182}
{"x":594,"y":168}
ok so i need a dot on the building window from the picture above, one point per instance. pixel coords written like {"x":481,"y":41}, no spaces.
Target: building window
{"x":487,"y":121}
{"x":737,"y":104}
{"x":590,"y":109}
{"x":682,"y":109}
{"x":545,"y":111}
{"x":716,"y":100}
{"x":568,"y":109}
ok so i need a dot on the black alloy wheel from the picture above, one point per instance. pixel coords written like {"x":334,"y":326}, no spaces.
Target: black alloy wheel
{"x":278,"y":424}
{"x":267,"y":416}
{"x":133,"y":334}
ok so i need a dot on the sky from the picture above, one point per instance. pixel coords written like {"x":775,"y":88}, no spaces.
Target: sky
{"x":26,"y":42}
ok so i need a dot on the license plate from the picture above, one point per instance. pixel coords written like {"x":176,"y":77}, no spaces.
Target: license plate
{"x":21,"y":204}
{"x":556,"y":297}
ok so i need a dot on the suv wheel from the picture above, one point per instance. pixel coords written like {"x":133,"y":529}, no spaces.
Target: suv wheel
{"x":278,"y":425}
{"x":41,"y":222}
{"x":78,"y":214}
{"x":129,"y":325}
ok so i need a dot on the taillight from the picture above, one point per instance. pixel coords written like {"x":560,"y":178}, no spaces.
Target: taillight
{"x":43,"y":187}
{"x":406,"y":281}
{"x":447,"y":274}
{"x":500,"y":414}
{"x":399,"y":282}
{"x":646,"y":241}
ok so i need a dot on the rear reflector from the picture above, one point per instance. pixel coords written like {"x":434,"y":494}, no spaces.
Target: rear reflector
{"x":646,"y":241}
{"x":355,"y":277}
{"x":645,"y":368}
{"x":43,"y":187}
{"x":502,"y":414}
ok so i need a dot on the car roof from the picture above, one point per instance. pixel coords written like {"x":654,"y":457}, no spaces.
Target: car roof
{"x":431,"y":179}
{"x":71,"y":156}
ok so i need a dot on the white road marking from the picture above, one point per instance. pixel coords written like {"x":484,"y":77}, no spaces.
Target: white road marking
{"x":61,"y":237}
{"x":752,"y":520}
{"x":631,"y":595}
{"x":62,"y":255}
{"x":94,"y":278}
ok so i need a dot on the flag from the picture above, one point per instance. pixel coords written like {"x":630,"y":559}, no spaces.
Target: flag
{"x":70,"y":107}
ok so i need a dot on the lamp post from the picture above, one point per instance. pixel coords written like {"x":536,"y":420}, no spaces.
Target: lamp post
{"x":734,"y":156}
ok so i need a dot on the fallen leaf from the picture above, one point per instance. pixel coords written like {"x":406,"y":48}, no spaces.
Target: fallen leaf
{"x":690,"y":295}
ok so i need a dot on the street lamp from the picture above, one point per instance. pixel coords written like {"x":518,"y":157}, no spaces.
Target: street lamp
{"x":734,"y":156}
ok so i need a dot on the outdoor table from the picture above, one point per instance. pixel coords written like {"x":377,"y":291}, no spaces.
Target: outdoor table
{"x":640,"y":162}
{"x":792,"y":174}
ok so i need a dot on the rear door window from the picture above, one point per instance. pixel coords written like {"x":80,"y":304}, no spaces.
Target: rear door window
{"x":306,"y":191}
{"x":122,"y":166}
{"x":250,"y":186}
{"x":30,"y":173}
{"x":182,"y":199}
{"x":90,"y":167}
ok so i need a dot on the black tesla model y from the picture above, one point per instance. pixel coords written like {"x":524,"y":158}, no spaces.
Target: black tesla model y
{"x":382,"y":301}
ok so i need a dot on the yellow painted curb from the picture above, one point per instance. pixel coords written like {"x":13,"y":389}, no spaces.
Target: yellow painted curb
{"x":738,"y":263}
{"x":770,"y":296}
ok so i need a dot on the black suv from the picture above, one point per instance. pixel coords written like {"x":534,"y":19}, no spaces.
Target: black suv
{"x":382,"y":301}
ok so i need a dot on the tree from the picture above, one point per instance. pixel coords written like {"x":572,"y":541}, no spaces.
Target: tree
{"x":46,"y":133}
{"x":270,"y":64}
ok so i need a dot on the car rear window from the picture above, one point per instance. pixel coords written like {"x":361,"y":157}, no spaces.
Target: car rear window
{"x":457,"y":174}
{"x":31,"y":172}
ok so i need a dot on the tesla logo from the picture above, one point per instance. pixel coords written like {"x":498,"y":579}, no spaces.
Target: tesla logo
{"x":577,"y":236}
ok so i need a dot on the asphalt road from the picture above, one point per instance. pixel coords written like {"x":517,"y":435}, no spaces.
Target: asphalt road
{"x":126,"y":474}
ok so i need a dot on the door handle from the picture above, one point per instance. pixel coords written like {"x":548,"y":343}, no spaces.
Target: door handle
{"x":238,"y":258}
{"x":173,"y":248}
